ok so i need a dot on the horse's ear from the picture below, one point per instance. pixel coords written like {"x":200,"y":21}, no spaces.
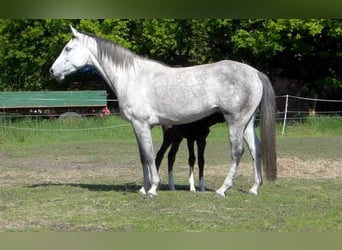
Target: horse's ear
{"x":74,"y":31}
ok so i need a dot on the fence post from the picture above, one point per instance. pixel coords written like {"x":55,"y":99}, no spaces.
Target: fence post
{"x":285,"y":115}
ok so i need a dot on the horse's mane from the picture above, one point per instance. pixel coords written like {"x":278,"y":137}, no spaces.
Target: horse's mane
{"x":121,"y":56}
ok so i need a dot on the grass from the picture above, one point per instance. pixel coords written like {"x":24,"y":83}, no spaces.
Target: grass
{"x":315,"y":126}
{"x":289,"y":205}
{"x":88,"y":180}
{"x":35,"y":132}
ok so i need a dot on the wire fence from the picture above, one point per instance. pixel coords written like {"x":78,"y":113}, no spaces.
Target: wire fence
{"x":302,"y":107}
{"x":290,"y":108}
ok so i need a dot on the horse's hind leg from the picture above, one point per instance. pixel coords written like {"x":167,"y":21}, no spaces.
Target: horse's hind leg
{"x":236,"y":129}
{"x":201,"y":143}
{"x":191,"y":162}
{"x":254,"y":148}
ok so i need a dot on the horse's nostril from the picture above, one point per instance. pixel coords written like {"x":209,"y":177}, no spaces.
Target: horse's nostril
{"x":51,"y":71}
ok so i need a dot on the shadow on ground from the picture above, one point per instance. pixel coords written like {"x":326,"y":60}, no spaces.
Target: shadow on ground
{"x":127,"y":187}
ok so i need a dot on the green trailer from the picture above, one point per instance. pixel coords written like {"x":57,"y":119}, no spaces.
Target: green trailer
{"x":54,"y":103}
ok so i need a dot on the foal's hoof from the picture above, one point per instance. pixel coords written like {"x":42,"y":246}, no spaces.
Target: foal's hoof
{"x":219,"y":195}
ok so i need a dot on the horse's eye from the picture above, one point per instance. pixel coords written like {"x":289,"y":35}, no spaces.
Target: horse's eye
{"x":67,"y":49}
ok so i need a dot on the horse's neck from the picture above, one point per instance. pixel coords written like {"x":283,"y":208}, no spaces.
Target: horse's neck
{"x":125,"y":75}
{"x":114,"y":75}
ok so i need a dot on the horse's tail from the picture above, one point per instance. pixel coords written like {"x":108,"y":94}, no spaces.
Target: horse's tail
{"x":268,"y":129}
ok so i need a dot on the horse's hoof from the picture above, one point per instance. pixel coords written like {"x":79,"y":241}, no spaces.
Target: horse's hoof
{"x":142,"y":191}
{"x":253,"y":192}
{"x":152,"y":194}
{"x":219,"y":195}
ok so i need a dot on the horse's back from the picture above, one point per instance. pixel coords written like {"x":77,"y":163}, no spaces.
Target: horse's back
{"x":182,"y":95}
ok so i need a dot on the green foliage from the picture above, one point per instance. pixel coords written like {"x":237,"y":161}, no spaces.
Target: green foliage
{"x":28,"y":47}
{"x":308,"y":50}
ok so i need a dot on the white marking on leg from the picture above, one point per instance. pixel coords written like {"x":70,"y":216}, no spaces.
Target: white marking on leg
{"x":155,"y":180}
{"x":192,"y":182}
{"x":228,"y":182}
{"x":254,"y":149}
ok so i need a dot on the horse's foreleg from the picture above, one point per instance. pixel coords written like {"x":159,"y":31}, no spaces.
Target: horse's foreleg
{"x":201,"y":148}
{"x":254,"y":148}
{"x":151,"y":177}
{"x":236,"y":142}
{"x":191,"y":162}
{"x":171,"y":160}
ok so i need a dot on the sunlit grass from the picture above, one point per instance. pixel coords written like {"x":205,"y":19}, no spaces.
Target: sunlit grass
{"x":84,"y":175}
{"x":39,"y":131}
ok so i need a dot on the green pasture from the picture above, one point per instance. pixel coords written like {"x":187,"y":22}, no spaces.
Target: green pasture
{"x":73,"y":176}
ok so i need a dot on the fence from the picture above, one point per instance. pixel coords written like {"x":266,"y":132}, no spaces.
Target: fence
{"x":304,"y":107}
{"x":289,"y":108}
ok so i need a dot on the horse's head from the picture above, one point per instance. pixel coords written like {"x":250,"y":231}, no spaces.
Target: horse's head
{"x":73,"y":57}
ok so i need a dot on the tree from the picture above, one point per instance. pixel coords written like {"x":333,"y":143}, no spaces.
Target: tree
{"x":306,"y":50}
{"x":28,"y":49}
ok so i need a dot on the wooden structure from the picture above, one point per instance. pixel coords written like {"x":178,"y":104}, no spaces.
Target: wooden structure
{"x":54,"y":103}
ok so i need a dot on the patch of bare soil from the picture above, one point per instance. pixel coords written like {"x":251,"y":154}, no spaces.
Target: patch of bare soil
{"x":321,"y":168}
{"x":294,"y":167}
{"x":57,"y":170}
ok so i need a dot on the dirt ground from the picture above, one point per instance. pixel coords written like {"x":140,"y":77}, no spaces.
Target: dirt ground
{"x":294,"y":167}
{"x":287,"y":167}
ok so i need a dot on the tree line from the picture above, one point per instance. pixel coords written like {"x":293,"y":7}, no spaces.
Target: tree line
{"x":308,"y":50}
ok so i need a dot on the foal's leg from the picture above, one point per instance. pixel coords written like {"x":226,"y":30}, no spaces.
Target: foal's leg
{"x":167,"y":140}
{"x":254,"y":148}
{"x":151,"y":177}
{"x":171,"y":160}
{"x":201,"y":143}
{"x":191,"y":161}
{"x":236,"y":129}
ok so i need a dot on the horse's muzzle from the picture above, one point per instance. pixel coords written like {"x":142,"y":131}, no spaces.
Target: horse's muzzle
{"x":58,"y":77}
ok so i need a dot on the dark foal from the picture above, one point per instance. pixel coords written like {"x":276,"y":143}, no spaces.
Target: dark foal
{"x":195,"y":131}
